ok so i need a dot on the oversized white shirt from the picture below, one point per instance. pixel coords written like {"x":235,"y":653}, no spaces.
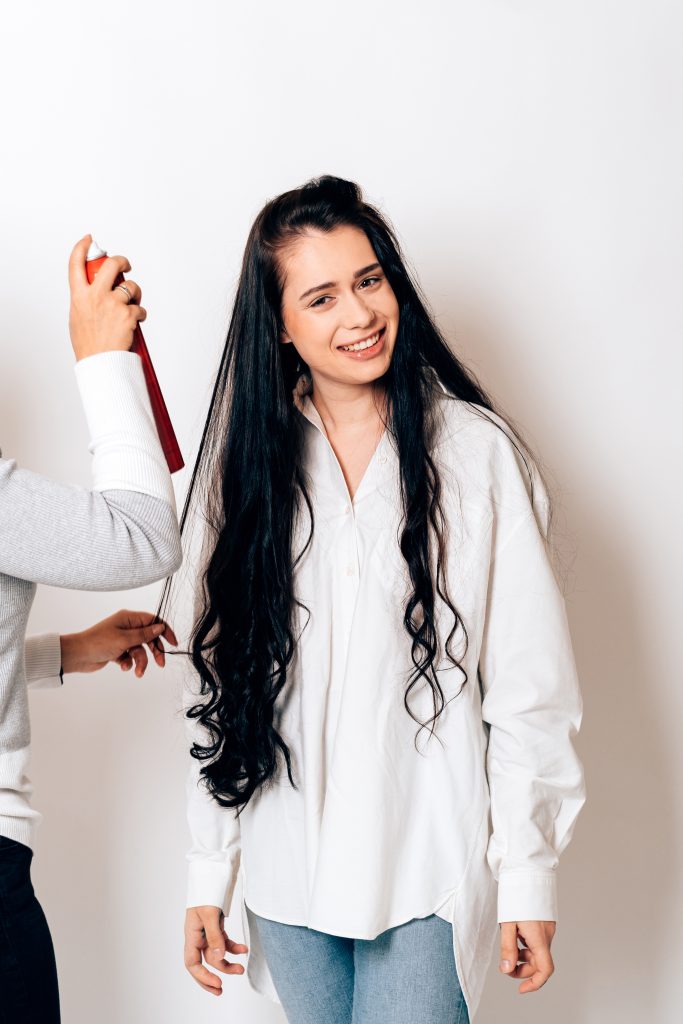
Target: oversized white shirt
{"x":379,"y":832}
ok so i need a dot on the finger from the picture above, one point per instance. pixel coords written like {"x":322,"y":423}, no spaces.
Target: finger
{"x":508,"y":947}
{"x":238,"y":948}
{"x":213,"y":940}
{"x":208,"y":988}
{"x":136,"y":314}
{"x":139,"y":656}
{"x":208,"y":981}
{"x":142,"y":634}
{"x":533,"y":984}
{"x":127,"y":619}
{"x":168,"y":634}
{"x":130,"y":292}
{"x":544,"y":968}
{"x":523,"y":971}
{"x":158,"y":653}
{"x":526,"y":966}
{"x":109,"y":272}
{"x":212,"y":922}
{"x":221,"y":964}
{"x":77,"y":275}
{"x":126,"y":663}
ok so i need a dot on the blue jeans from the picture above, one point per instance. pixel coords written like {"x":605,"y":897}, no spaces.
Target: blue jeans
{"x":406,"y":975}
{"x":28,"y":975}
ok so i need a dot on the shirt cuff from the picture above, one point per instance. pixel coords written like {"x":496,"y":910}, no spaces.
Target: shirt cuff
{"x":527,"y":896}
{"x":127,"y":453}
{"x":211,"y":883}
{"x":43,"y":660}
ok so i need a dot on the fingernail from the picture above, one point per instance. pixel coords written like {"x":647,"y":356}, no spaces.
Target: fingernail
{"x":505,"y":965}
{"x":219,"y":952}
{"x":159,"y":629}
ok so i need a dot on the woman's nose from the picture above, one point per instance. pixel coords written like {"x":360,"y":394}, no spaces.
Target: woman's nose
{"x":357,"y":313}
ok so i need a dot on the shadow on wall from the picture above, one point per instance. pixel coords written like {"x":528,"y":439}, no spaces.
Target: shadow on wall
{"x":614,"y":943}
{"x":617,"y":876}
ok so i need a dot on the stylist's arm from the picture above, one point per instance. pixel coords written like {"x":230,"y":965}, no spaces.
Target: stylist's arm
{"x":124,"y":532}
{"x":103,"y":317}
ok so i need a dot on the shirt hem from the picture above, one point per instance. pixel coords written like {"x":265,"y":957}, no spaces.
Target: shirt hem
{"x":345,"y":934}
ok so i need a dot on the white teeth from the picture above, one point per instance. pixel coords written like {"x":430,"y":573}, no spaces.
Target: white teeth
{"x":361,"y":344}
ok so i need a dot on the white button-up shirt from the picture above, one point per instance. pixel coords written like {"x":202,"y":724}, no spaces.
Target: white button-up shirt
{"x":379,"y":832}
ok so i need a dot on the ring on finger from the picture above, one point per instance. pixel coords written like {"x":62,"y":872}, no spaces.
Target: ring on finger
{"x":123,"y":288}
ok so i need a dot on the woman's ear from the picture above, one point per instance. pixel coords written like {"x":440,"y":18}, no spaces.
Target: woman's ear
{"x":284,"y":337}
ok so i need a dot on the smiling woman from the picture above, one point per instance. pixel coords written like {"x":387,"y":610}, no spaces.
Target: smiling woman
{"x":382,"y":648}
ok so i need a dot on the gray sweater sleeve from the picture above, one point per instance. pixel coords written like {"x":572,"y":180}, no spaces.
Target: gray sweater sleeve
{"x":66,"y":536}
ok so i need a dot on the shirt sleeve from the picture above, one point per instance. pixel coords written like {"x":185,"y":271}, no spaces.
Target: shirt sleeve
{"x":532,"y":705}
{"x":214,"y":854}
{"x":43,"y":660}
{"x":122,"y":533}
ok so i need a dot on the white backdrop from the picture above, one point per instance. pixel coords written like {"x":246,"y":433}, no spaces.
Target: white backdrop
{"x":530,"y":156}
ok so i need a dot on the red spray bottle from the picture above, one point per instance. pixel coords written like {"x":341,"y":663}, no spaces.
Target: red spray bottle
{"x":174,"y":459}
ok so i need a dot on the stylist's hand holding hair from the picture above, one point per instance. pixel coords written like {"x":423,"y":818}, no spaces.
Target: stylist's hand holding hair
{"x":119,"y":638}
{"x":103,"y":316}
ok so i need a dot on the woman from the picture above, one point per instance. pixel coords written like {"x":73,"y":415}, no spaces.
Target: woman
{"x":381,"y":644}
{"x":122,"y":533}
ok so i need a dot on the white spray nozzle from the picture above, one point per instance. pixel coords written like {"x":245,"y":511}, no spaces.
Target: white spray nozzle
{"x":94,"y":252}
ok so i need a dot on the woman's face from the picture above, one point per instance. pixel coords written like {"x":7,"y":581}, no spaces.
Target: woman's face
{"x":335,"y":297}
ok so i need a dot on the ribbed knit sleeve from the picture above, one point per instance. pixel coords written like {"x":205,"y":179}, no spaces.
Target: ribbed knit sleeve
{"x":43,"y":660}
{"x":127,"y":454}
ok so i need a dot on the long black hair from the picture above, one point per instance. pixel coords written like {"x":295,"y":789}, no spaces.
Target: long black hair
{"x":251,"y":483}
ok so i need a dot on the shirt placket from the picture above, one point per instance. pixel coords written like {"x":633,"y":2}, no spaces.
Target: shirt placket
{"x":346,"y":568}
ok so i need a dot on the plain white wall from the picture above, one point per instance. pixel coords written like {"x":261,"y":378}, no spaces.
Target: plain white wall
{"x":530,"y":156}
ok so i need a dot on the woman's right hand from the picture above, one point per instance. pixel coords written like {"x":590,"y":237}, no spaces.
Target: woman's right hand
{"x":101,"y":319}
{"x":205,"y":936}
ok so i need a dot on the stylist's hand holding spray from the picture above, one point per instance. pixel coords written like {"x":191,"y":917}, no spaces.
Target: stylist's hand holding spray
{"x":103,"y":315}
{"x":102,"y":318}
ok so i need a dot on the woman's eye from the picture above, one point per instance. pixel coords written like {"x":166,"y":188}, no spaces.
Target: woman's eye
{"x":323,"y":300}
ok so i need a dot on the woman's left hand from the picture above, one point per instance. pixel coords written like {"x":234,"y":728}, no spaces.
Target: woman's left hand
{"x":119,"y":638}
{"x":533,"y":961}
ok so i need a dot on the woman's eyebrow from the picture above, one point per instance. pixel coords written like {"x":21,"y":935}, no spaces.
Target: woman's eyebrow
{"x":333,"y":284}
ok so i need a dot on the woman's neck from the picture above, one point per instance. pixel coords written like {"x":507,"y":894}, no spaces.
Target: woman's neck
{"x":344,"y":407}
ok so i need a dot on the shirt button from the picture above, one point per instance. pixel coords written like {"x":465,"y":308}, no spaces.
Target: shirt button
{"x":382,"y":459}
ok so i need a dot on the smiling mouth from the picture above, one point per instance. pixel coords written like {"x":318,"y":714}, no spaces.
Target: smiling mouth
{"x":360,"y":346}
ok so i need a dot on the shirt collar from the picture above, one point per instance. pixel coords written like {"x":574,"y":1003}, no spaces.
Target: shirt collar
{"x":302,"y":401}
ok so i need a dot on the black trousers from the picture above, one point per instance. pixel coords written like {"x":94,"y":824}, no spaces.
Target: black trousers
{"x":28,"y":973}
